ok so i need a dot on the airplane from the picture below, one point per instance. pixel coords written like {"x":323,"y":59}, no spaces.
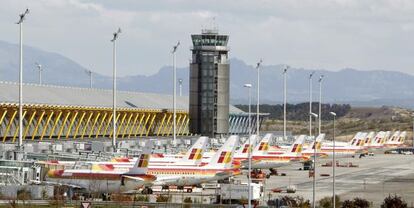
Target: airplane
{"x":175,"y":174}
{"x":105,"y":179}
{"x":193,"y":156}
{"x":310,"y":150}
{"x":378,"y":140}
{"x":345,"y":149}
{"x":242,"y":153}
{"x":220,"y":167}
{"x":368,"y":139}
{"x":396,"y":140}
{"x":262,"y":159}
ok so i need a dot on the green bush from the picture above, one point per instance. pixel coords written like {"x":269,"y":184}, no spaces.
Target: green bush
{"x":393,"y":202}
{"x":162,"y":198}
{"x":326,"y":202}
{"x":356,"y":203}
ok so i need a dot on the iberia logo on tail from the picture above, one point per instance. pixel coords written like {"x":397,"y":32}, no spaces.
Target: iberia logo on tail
{"x":143,"y":161}
{"x":225,"y":157}
{"x":195,"y":154}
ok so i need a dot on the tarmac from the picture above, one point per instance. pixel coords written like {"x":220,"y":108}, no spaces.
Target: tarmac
{"x":375,"y":178}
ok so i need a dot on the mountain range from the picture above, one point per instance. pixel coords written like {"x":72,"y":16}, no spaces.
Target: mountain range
{"x":357,"y":87}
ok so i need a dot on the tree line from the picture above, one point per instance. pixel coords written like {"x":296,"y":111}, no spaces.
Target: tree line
{"x":300,"y":111}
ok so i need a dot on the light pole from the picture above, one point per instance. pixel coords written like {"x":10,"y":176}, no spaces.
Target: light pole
{"x":114,"y":134}
{"x":284,"y":101}
{"x":174,"y":94}
{"x":320,"y":104}
{"x":314,"y":165}
{"x":180,"y":85}
{"x":249,"y":156}
{"x":89,"y":72}
{"x":310,"y":104}
{"x":39,"y":68}
{"x":333,"y":161}
{"x":20,"y":23}
{"x":258,"y":97}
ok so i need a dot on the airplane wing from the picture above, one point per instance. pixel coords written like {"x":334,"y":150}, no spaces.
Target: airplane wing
{"x":55,"y":184}
{"x":134,"y":178}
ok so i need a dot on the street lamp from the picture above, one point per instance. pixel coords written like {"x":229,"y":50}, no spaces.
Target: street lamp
{"x":89,"y":72}
{"x":320,"y":104}
{"x":333,"y":161}
{"x":310,"y":103}
{"x":20,"y":23}
{"x":174,"y":94}
{"x":39,"y":68}
{"x":284,"y":101}
{"x":249,"y":156}
{"x":258,"y":97}
{"x":180,"y":85}
{"x":114,"y":134}
{"x":314,"y":163}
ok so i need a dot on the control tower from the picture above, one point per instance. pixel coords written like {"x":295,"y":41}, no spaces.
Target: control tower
{"x":209,"y":84}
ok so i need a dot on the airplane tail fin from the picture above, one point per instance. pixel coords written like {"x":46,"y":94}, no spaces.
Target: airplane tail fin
{"x":195,"y":154}
{"x":263,"y":145}
{"x":401,"y":137}
{"x":141,"y":165}
{"x":297,"y":146}
{"x":369,"y":137}
{"x":386,"y":137}
{"x":224,"y":156}
{"x":378,"y":139}
{"x":317,"y":144}
{"x":245,"y":148}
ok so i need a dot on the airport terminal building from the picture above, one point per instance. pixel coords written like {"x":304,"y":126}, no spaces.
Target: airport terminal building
{"x":61,"y":113}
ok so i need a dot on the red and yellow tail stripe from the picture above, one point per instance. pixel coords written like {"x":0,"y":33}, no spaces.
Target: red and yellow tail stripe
{"x":297,"y":148}
{"x":143,"y":161}
{"x":264,"y":146}
{"x":195,"y":154}
{"x":245,"y":148}
{"x":225,"y":157}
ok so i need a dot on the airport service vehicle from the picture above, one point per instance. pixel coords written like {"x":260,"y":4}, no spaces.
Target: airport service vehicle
{"x":262,"y":159}
{"x":101,"y":180}
{"x":241,"y":191}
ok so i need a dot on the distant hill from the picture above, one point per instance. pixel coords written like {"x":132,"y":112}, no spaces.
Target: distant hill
{"x":362,"y":88}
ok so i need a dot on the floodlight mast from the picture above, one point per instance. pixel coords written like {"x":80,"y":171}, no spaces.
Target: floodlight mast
{"x":258,"y":97}
{"x":20,"y":23}
{"x":310,"y":103}
{"x":114,"y":130}
{"x":314,"y":165}
{"x":320,"y":104}
{"x":249,"y":156}
{"x":90,"y":73}
{"x":174,"y":94}
{"x":333,"y":161}
{"x":180,"y":85}
{"x":284,"y":101}
{"x":39,"y":68}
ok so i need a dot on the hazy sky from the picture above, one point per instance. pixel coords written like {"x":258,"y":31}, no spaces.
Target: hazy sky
{"x":336,"y":34}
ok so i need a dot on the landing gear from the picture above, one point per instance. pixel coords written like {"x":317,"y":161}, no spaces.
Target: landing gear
{"x":147,"y":190}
